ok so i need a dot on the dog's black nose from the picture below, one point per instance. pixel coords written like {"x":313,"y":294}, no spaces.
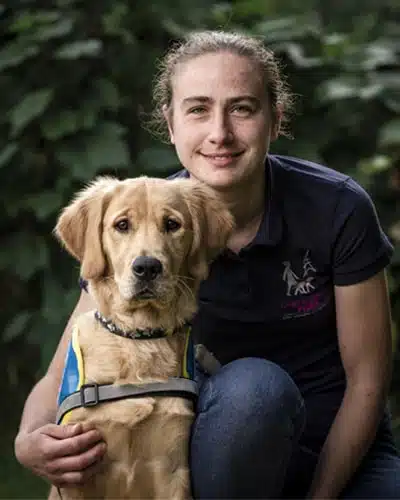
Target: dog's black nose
{"x":146,"y":268}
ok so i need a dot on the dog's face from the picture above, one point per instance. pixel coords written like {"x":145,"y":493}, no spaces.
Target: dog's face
{"x":151,"y":237}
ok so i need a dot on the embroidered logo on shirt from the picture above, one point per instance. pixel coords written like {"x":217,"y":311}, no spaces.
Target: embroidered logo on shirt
{"x":305,"y":294}
{"x":299,"y":285}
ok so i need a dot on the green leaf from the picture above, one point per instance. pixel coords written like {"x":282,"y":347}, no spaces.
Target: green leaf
{"x":68,"y":122}
{"x":23,"y":22}
{"x":16,"y":326}
{"x":58,"y":126}
{"x":106,"y":152}
{"x":334,"y":45}
{"x":53,"y":299}
{"x":371,"y":91}
{"x":101,"y":149}
{"x":75,"y":50}
{"x":7,"y":153}
{"x":389,"y":134}
{"x":15,"y":53}
{"x":26,"y":254}
{"x":57,"y":30}
{"x":44,"y":204}
{"x":389,"y":80}
{"x":114,"y":21}
{"x":296,"y":53}
{"x":88,"y":114}
{"x":288,"y":28}
{"x":26,"y":20}
{"x":47,"y":16}
{"x":110,"y":129}
{"x":74,"y":158}
{"x":391,"y":99}
{"x":31,"y":106}
{"x":396,"y":256}
{"x":378,"y":54}
{"x":108,"y":93}
{"x":394,"y":231}
{"x":374,"y":165}
{"x":339,"y":88}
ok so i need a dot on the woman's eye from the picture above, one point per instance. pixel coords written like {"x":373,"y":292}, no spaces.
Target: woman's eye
{"x":242,"y":110}
{"x":198,"y":110}
{"x":122,"y":225}
{"x":171,"y":225}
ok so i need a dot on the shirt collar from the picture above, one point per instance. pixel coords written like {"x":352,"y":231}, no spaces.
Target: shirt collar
{"x":270,"y":231}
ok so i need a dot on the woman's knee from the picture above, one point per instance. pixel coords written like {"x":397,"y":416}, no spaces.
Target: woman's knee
{"x":249,"y":415}
{"x":254,"y":388}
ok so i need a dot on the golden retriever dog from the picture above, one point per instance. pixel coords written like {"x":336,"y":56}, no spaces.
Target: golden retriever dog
{"x":144,"y":246}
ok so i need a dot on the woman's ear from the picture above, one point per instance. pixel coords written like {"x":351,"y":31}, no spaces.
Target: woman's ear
{"x":276,"y":125}
{"x":167,"y":112}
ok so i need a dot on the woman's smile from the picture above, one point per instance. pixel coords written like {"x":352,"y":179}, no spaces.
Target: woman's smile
{"x":222,"y":159}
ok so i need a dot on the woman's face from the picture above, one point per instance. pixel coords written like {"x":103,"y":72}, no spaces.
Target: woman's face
{"x":220,"y":120}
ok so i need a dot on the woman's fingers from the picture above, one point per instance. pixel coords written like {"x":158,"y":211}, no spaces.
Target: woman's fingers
{"x":63,"y":454}
{"x":80,"y":461}
{"x":67,"y":440}
{"x":70,"y":478}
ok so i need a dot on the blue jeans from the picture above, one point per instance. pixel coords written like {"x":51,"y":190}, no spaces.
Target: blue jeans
{"x":244,"y":444}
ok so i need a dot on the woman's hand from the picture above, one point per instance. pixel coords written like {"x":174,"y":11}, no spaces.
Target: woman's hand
{"x":65,"y":455}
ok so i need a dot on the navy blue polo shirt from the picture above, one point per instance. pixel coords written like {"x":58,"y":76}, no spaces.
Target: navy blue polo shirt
{"x":275,"y":298}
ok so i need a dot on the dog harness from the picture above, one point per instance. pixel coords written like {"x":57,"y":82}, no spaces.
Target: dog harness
{"x":76,"y":392}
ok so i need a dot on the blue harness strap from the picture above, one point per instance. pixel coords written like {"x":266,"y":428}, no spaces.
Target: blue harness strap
{"x":73,"y":377}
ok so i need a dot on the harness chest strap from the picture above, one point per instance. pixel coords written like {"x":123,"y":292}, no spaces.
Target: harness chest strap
{"x":93,"y":394}
{"x":75,"y":393}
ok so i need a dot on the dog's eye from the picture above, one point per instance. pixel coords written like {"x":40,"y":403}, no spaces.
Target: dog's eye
{"x":171,"y":225}
{"x":122,"y":225}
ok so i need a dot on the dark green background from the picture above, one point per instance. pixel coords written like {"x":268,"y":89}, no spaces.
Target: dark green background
{"x":75,"y":79}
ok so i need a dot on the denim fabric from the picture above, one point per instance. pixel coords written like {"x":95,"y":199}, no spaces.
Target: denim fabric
{"x":244,"y":444}
{"x":378,"y":476}
{"x":249,"y":416}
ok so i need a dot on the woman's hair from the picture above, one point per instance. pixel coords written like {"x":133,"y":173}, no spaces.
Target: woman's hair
{"x":198,"y":43}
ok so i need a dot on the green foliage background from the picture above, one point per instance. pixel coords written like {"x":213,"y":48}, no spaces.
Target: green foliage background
{"x":75,"y":79}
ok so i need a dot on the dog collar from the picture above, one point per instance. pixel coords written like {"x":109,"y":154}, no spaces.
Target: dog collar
{"x":137,"y":334}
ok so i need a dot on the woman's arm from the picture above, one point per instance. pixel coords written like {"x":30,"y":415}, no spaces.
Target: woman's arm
{"x":364,"y":330}
{"x":59,"y":453}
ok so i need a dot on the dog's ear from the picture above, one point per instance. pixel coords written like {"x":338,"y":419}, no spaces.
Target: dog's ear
{"x":212,"y":224}
{"x":80,"y":225}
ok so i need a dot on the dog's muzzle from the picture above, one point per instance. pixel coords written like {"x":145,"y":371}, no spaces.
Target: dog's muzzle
{"x":146,"y":268}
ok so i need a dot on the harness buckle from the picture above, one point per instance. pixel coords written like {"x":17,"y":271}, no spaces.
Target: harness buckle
{"x":88,"y":397}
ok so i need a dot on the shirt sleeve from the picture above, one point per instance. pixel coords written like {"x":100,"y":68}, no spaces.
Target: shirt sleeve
{"x":360,"y":248}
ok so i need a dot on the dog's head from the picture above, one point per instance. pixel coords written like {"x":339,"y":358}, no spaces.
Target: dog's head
{"x":150,"y":239}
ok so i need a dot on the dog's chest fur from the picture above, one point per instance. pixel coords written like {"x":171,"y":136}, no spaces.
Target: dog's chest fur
{"x":146,"y":437}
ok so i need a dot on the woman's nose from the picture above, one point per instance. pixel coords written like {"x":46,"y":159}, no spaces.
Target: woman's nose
{"x":220,"y":129}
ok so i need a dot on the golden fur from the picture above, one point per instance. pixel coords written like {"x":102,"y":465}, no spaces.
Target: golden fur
{"x":147,"y":438}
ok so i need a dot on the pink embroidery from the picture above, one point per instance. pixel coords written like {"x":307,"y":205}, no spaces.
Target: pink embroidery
{"x":304,"y":304}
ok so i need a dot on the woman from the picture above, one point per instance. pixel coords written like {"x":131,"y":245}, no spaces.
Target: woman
{"x":296,"y":309}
